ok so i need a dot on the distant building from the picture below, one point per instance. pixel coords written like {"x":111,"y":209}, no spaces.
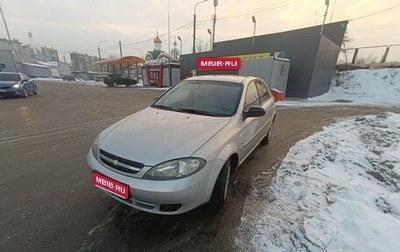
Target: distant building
{"x":15,"y":57}
{"x":84,"y":62}
{"x":46,"y":54}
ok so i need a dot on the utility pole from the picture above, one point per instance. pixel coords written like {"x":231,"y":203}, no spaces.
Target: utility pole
{"x":98,"y":49}
{"x":254,"y":30}
{"x":9,"y":39}
{"x":214,"y":21}
{"x":169,"y":32}
{"x":120,"y":48}
{"x":326,"y":13}
{"x":5,"y":24}
{"x":194,"y":25}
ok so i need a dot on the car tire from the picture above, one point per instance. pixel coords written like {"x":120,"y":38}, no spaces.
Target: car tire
{"x":267,"y":139}
{"x":24,"y":93}
{"x":220,"y":190}
{"x":35,"y":90}
{"x":114,"y":84}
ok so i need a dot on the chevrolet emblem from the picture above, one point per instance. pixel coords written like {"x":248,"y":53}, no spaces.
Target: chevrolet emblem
{"x":115,"y":162}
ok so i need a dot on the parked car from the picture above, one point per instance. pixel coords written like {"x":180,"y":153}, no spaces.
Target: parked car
{"x":114,"y":80}
{"x":16,"y":84}
{"x":178,"y":153}
{"x":68,"y":78}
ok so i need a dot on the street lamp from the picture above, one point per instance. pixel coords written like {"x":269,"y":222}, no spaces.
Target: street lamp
{"x":326,"y":12}
{"x":194,"y":25}
{"x":211,"y":39}
{"x":98,"y":49}
{"x":180,"y":42}
{"x":254,"y":30}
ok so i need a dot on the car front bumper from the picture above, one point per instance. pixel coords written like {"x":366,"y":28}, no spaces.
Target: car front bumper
{"x":167,"y":197}
{"x":8,"y":92}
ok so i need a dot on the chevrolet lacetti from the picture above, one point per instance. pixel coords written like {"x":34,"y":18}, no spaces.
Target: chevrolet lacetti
{"x":178,"y":153}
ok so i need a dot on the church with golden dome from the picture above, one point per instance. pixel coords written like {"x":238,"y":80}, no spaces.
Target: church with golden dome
{"x":160,"y":68}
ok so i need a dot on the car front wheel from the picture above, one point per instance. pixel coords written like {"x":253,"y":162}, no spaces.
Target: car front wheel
{"x":35,"y":91}
{"x":24,"y":93}
{"x":114,"y":84}
{"x":220,"y":191}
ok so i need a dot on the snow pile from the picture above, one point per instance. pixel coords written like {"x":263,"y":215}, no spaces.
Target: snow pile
{"x":379,"y":87}
{"x":337,"y":190}
{"x":372,"y":86}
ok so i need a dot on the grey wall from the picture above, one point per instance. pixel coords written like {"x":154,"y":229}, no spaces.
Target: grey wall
{"x":261,"y":68}
{"x":34,"y":70}
{"x":325,"y":61}
{"x":7,"y":60}
{"x":273,"y":71}
{"x":306,"y":49}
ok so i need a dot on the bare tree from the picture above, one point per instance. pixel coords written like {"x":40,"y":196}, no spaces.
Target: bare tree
{"x":201,"y":46}
{"x":345,"y":42}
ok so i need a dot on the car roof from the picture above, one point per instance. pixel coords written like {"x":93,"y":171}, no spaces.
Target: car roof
{"x":223,"y":78}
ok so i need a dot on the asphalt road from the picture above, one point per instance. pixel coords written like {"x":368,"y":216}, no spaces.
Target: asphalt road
{"x":49,"y":204}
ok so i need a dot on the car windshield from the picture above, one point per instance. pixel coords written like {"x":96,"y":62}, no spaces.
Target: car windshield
{"x":10,"y":77}
{"x":202,"y":97}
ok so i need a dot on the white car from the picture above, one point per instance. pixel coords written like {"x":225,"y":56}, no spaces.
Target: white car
{"x":178,"y":153}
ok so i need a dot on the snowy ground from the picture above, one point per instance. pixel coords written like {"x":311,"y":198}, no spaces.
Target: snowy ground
{"x":337,"y":190}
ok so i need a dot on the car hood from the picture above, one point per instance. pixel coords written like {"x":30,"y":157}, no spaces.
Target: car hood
{"x":153,"y":135}
{"x":8,"y":84}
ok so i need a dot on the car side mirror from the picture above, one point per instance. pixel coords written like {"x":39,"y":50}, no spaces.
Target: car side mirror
{"x":254,"y":112}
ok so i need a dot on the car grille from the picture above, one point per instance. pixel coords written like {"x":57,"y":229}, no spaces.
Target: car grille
{"x":120,"y":163}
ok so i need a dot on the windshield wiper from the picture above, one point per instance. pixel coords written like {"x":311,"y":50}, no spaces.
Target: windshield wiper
{"x":186,"y":110}
{"x":197,"y":111}
{"x":166,"y":107}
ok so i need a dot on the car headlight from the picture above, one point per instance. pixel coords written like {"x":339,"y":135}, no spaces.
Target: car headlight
{"x":17,"y":86}
{"x":174,"y":169}
{"x":95,"y":147}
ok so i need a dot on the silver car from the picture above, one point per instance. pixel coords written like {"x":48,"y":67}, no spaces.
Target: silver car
{"x":178,"y":153}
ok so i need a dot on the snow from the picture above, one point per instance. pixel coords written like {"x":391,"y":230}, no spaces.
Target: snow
{"x":339,"y":189}
{"x":358,"y":87}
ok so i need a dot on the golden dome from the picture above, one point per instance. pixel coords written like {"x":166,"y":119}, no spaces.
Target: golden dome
{"x":157,"y":40}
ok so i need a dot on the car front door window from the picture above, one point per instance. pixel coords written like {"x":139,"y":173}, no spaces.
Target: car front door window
{"x":252,"y":98}
{"x":263,"y":92}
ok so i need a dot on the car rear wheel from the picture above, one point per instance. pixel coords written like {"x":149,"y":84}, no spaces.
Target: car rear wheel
{"x":114,"y":84}
{"x":24,"y":93}
{"x":35,"y":91}
{"x":220,"y":191}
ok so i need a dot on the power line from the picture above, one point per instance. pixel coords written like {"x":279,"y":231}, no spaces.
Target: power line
{"x":271,"y":8}
{"x":376,"y":13}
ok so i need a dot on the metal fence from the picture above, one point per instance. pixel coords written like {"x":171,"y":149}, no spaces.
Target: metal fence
{"x":370,"y":54}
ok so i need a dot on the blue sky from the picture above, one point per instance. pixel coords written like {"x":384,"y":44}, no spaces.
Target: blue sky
{"x":79,"y":25}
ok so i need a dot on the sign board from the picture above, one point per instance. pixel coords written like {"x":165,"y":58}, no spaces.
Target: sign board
{"x":218,"y":63}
